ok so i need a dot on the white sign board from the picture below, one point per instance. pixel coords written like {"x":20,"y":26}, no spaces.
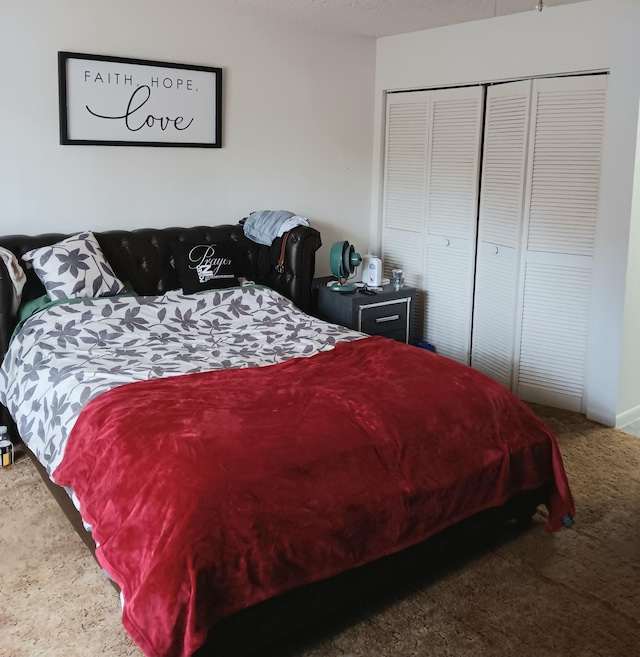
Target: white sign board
{"x":133,"y":102}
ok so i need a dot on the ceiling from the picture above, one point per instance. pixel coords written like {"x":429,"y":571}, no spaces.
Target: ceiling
{"x":377,"y":18}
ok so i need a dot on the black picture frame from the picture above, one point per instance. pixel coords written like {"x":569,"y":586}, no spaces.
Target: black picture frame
{"x":119,"y":101}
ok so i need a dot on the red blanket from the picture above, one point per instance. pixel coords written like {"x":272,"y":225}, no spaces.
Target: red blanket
{"x":210,"y":492}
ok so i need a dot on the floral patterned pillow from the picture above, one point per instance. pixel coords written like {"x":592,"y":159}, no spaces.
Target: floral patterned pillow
{"x":74,"y":267}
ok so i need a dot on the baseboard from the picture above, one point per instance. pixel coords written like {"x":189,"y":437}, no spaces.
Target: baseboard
{"x":602,"y":418}
{"x":632,"y":415}
{"x":609,"y":420}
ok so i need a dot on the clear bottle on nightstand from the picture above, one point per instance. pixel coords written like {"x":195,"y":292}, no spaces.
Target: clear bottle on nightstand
{"x":7,"y":453}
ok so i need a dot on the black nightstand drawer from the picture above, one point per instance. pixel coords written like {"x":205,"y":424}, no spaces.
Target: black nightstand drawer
{"x":400,"y":335}
{"x":384,"y":317}
{"x":389,"y":312}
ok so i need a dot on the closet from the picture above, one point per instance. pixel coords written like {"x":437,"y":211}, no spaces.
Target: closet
{"x":490,"y":206}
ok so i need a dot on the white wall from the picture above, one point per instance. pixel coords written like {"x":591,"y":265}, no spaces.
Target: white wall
{"x":628,"y":404}
{"x":615,"y":354}
{"x":588,"y":36}
{"x":297,"y":113}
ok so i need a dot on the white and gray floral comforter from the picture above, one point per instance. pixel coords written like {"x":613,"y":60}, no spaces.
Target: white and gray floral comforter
{"x":68,"y":354}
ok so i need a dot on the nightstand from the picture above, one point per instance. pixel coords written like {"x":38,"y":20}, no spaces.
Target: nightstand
{"x":388,"y":313}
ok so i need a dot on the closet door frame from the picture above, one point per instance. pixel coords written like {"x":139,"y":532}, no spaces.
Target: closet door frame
{"x":536,"y":269}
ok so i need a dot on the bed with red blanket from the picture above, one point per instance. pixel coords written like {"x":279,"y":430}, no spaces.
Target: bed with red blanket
{"x":226,"y":448}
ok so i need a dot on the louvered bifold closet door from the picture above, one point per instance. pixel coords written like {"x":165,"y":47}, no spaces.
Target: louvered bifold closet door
{"x":405,"y":188}
{"x":502,"y":190}
{"x":430,"y":207}
{"x":560,"y":221}
{"x":451,"y":217}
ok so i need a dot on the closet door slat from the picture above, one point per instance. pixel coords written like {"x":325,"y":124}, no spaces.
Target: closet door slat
{"x":502,"y":191}
{"x":448,"y":297}
{"x":404,"y":250}
{"x":494,"y":312}
{"x":406,"y":161}
{"x":504,"y":161}
{"x":559,"y":237}
{"x":567,"y":153}
{"x":405,"y":191}
{"x":451,"y":218}
{"x":553,"y":342}
{"x":453,"y":162}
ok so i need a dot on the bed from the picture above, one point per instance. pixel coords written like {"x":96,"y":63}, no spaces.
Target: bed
{"x":238,"y":463}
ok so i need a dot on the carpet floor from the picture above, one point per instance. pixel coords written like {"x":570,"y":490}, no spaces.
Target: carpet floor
{"x":575,"y":593}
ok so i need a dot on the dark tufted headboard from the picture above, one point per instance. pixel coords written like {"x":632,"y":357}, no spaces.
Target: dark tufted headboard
{"x":143,"y":257}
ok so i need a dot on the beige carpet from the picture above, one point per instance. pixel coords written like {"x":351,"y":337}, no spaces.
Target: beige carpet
{"x":574,"y":593}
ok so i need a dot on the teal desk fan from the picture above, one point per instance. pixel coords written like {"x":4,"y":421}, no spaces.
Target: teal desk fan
{"x":343,"y":260}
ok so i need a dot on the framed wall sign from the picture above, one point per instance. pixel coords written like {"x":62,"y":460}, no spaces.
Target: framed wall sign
{"x":113,"y":101}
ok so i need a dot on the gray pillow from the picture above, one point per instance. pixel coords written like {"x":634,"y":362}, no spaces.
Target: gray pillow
{"x":74,"y":267}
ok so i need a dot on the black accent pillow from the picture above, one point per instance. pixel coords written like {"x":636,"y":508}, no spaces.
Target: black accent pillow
{"x":205,"y":266}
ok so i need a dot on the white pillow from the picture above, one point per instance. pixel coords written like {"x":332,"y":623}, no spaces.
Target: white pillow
{"x":17,"y":276}
{"x":74,"y":267}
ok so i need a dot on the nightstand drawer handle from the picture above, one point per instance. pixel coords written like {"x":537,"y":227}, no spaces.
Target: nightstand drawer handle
{"x":388,"y":318}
